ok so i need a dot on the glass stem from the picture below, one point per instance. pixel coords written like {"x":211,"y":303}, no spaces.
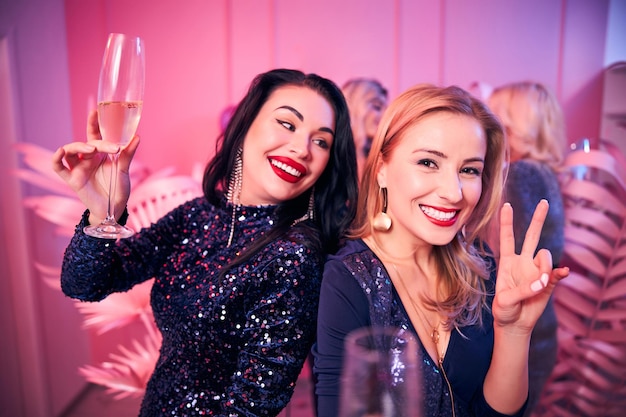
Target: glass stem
{"x":112,"y":188}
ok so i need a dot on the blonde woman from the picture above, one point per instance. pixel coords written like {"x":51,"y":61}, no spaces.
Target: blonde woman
{"x":431,"y":186}
{"x":367,"y":100}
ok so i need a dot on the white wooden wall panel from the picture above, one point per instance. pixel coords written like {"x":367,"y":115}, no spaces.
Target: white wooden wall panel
{"x":420,"y":43}
{"x":202,"y":55}
{"x":503,"y":41}
{"x":225,"y":43}
{"x":582,"y":67}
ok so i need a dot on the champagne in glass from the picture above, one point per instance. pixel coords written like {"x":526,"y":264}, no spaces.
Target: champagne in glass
{"x":120,"y":101}
{"x":380,"y":375}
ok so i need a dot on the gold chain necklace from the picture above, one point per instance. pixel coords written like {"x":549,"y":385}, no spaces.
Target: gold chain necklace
{"x":434,"y":334}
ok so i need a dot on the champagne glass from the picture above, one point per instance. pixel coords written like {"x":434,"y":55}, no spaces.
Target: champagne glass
{"x":120,"y":100}
{"x":380,"y":375}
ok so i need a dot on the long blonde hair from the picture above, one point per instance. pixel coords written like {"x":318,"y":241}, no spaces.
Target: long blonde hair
{"x":462,"y":267}
{"x":545,"y":124}
{"x":357,"y":92}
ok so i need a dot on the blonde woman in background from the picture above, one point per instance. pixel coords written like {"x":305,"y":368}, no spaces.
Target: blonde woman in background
{"x":535,"y":131}
{"x":367,"y":100}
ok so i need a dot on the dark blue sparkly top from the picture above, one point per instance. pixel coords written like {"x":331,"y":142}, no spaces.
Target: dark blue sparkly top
{"x":357,"y":288}
{"x":528,"y":182}
{"x":233,"y":345}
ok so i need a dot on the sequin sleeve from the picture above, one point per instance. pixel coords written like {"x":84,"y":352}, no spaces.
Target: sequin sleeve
{"x":278,"y":331}
{"x":527,"y":183}
{"x":94,"y":268}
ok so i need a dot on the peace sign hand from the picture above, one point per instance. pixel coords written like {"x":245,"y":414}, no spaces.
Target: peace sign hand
{"x":525,"y":281}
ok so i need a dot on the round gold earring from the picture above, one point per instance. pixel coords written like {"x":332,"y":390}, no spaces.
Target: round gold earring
{"x":382,"y":221}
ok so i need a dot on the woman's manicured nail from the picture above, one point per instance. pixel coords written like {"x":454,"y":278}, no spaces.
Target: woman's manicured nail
{"x":540,"y":283}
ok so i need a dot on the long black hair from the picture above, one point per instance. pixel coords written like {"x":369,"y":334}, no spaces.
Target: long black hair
{"x":336,"y":189}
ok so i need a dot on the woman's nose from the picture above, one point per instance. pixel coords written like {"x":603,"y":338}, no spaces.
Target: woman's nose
{"x":300,"y":146}
{"x":450,"y":188}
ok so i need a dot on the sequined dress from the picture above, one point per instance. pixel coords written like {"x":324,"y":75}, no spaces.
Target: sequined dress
{"x":232,"y":345}
{"x":528,"y":182}
{"x":357,"y":288}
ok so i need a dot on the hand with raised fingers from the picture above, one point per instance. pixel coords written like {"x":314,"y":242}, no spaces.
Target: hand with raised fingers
{"x":93,"y":127}
{"x":86,"y":168}
{"x":525,"y":281}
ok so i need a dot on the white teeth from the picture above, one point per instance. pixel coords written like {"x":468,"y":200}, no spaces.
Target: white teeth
{"x":438,"y":215}
{"x":288,"y":169}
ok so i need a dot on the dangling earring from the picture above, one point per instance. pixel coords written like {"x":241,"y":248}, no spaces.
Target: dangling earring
{"x":311,"y":208}
{"x":310,"y":211}
{"x":382,"y":221}
{"x":234,"y":191}
{"x":234,"y":183}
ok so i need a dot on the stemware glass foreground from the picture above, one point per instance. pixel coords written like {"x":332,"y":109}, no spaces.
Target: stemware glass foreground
{"x":380,"y":375}
{"x":120,"y":101}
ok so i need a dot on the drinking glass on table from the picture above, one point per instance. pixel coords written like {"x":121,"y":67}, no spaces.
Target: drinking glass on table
{"x":380,"y":375}
{"x":120,"y":100}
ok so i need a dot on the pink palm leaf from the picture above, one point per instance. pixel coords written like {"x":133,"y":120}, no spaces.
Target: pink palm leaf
{"x":119,"y":309}
{"x":153,"y":196}
{"x":50,"y":274}
{"x":40,"y":172}
{"x":128,"y":372}
{"x":589,"y":378}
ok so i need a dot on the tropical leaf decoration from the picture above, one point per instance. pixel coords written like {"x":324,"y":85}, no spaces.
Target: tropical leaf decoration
{"x":119,"y":310}
{"x":589,"y":378}
{"x":128,"y":372}
{"x":154,"y":194}
{"x":60,"y":208}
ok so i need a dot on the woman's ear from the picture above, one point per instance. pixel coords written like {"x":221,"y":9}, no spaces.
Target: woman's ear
{"x":381,"y":174}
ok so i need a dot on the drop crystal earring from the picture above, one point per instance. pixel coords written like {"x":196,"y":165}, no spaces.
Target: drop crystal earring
{"x":234,"y":191}
{"x":382,"y":221}
{"x":310,"y":212}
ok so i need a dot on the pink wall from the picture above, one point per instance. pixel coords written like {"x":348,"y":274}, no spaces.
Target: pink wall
{"x":42,"y":342}
{"x":201,"y":55}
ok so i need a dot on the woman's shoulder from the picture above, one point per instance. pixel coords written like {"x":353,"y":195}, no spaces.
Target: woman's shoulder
{"x":301,"y":243}
{"x":195,"y":204}
{"x":356,"y":259}
{"x":530,"y":167}
{"x":350,"y":248}
{"x":533,"y":178}
{"x":198,"y":207}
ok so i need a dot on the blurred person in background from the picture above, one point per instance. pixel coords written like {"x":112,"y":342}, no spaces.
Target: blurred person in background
{"x":535,"y":131}
{"x":367,"y":100}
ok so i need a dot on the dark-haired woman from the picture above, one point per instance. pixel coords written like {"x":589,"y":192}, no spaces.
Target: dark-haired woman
{"x":237,"y":271}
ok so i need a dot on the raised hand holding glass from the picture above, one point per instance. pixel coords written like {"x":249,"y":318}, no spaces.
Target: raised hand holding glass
{"x":120,"y":101}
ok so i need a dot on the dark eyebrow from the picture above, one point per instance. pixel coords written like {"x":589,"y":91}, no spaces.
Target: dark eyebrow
{"x":301,"y":117}
{"x":481,"y":160}
{"x":294,"y":111}
{"x":442,"y":155}
{"x":436,"y":153}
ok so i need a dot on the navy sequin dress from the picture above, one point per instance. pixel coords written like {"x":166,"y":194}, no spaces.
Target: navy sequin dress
{"x":233,"y":344}
{"x":528,"y":182}
{"x":357,"y":288}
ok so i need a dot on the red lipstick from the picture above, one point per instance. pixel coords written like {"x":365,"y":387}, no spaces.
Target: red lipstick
{"x":287,"y":169}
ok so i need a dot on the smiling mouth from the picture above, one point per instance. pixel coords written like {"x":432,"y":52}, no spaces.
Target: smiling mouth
{"x":286,"y":170}
{"x":440,"y":217}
